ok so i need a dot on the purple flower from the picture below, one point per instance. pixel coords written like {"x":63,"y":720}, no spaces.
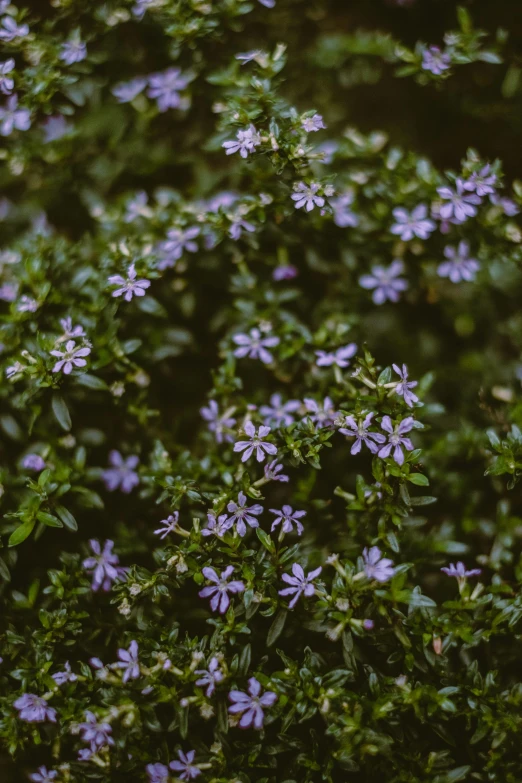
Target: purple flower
{"x":55,"y":128}
{"x":129,"y":662}
{"x":254,"y":346}
{"x":459,"y":265}
{"x":279,"y":414}
{"x":396,"y":438}
{"x":122,"y":474}
{"x":125,"y":92}
{"x":404,"y":386}
{"x":184,"y":768}
{"x":11,"y":30}
{"x":435,"y":61}
{"x":246,"y":141}
{"x":217,"y":527}
{"x":368,"y":624}
{"x":141,"y":7}
{"x":96,"y":734}
{"x":129,"y":287}
{"x":103,"y":565}
{"x":340,"y":357}
{"x":459,"y":571}
{"x":273,"y":472}
{"x":375,"y":567}
{"x":343,"y":216}
{"x":66,"y":676}
{"x":284,"y":272}
{"x":33,"y":462}
{"x":248,"y":57}
{"x":482,"y":182}
{"x":73,"y":51}
{"x":12,"y":117}
{"x":459,"y":205}
{"x":256,"y":443}
{"x":250,"y":705}
{"x":268,"y":3}
{"x":507,"y":205}
{"x":27,"y":304}
{"x":220,"y":588}
{"x":43,"y":775}
{"x":164,"y":88}
{"x":311,"y":124}
{"x":69,"y":330}
{"x":385,"y":281}
{"x":169,"y":525}
{"x":210,"y":677}
{"x":241,"y":514}
{"x":216,"y":423}
{"x":414,"y":224}
{"x":321,"y":416}
{"x":70,"y":358}
{"x":158,"y":773}
{"x":34,"y":709}
{"x":360,"y":431}
{"x":299,"y":584}
{"x":238,"y":225}
{"x":6,"y":82}
{"x":288,"y":517}
{"x":306,"y":196}
{"x":179,"y":240}
{"x":137,"y":207}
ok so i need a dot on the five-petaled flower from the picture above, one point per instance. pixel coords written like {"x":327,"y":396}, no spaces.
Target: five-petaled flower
{"x":246,"y":142}
{"x":184,"y":768}
{"x":435,"y":61}
{"x":341,"y":357}
{"x":250,"y":705}
{"x":220,"y":588}
{"x":403,"y":388}
{"x":376,"y":567}
{"x":210,"y":677}
{"x":299,"y":583}
{"x":6,"y":82}
{"x":129,"y":286}
{"x":165,"y":88}
{"x":482,"y":182}
{"x":169,"y":525}
{"x":460,"y":571}
{"x":178,"y":241}
{"x":34,"y":709}
{"x":459,"y":265}
{"x":322,"y":415}
{"x":11,"y":117}
{"x":11,"y":30}
{"x":273,"y":472}
{"x":129,"y":662}
{"x":72,"y":357}
{"x":287,"y":517}
{"x":396,"y":438}
{"x":386,"y":282}
{"x":73,"y":51}
{"x":458,"y":204}
{"x":279,"y":413}
{"x":412,"y":224}
{"x":360,"y":430}
{"x":103,"y":565}
{"x":242,"y":515}
{"x":256,"y":443}
{"x":311,"y":124}
{"x":66,"y":676}
{"x":254,"y":345}
{"x":97,"y":734}
{"x":306,"y":196}
{"x":217,"y":526}
{"x":217,"y":423}
{"x":158,"y":773}
{"x":43,"y":775}
{"x":122,"y":473}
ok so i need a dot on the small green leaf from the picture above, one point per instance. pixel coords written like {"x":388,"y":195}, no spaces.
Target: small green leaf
{"x":418,"y":479}
{"x":61,"y":412}
{"x":277,"y":626}
{"x":48,"y":519}
{"x":22,"y":532}
{"x":67,"y":518}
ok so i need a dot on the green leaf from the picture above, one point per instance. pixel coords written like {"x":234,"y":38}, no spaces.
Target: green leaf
{"x":277,"y":626}
{"x":61,"y":412}
{"x":91,"y":382}
{"x":67,"y":518}
{"x":22,"y":532}
{"x":265,"y":540}
{"x":4,"y":571}
{"x":418,"y":479}
{"x":48,"y":519}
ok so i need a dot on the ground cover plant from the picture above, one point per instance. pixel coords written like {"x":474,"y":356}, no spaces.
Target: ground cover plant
{"x":260,"y":407}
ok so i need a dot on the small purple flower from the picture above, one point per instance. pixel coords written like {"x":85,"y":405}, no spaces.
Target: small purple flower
{"x":217,"y":527}
{"x":70,"y":358}
{"x":322,"y":416}
{"x":103,"y":565}
{"x":284,"y":272}
{"x":141,"y":6}
{"x":66,"y":676}
{"x":238,"y":225}
{"x":246,"y":141}
{"x":169,"y":525}
{"x":55,"y":128}
{"x":33,"y":462}
{"x":216,"y":423}
{"x":279,"y":413}
{"x":396,"y":438}
{"x":507,"y":205}
{"x":122,"y":473}
{"x":412,"y":224}
{"x":482,"y":182}
{"x":254,"y":346}
{"x":178,"y":241}
{"x":385,"y":281}
{"x":306,"y":196}
{"x":250,"y":705}
{"x":459,"y":265}
{"x":96,"y":734}
{"x":221,"y":587}
{"x":6,"y":82}
{"x":299,"y":584}
{"x":376,"y":567}
{"x":158,"y":773}
{"x":184,"y":768}
{"x":340,"y":357}
{"x":288,"y":517}
{"x":129,"y":662}
{"x":268,"y":3}
{"x":11,"y":30}
{"x":435,"y":61}
{"x":165,"y":88}
{"x":241,"y":514}
{"x":459,"y":571}
{"x":404,"y":386}
{"x":368,"y":624}
{"x":11,"y":117}
{"x":343,"y":216}
{"x":27,"y":304}
{"x":34,"y":709}
{"x":458,"y":204}
{"x":73,"y":51}
{"x":129,"y":287}
{"x":210,"y":677}
{"x":360,"y":431}
{"x":125,"y":92}
{"x":43,"y":775}
{"x":256,"y":443}
{"x":248,"y":57}
{"x":70,"y":331}
{"x":312,"y":124}
{"x":137,"y":207}
{"x":273,"y":472}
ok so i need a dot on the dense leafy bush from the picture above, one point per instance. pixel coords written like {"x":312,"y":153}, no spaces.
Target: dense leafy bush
{"x":261,"y":338}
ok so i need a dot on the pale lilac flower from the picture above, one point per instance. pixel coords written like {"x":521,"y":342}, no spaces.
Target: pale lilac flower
{"x":221,"y":587}
{"x":217,"y":527}
{"x":359,"y":429}
{"x":184,"y":768}
{"x":216,"y":423}
{"x":376,"y":567}
{"x":6,"y":82}
{"x":343,"y":216}
{"x":306,"y":196}
{"x":404,"y":386}
{"x":279,"y":413}
{"x":165,"y":87}
{"x":255,"y":443}
{"x":73,"y":51}
{"x":129,"y":662}
{"x":158,"y":773}
{"x":396,"y":439}
{"x":12,"y":117}
{"x":5,"y":210}
{"x":254,"y":346}
{"x":141,"y":6}
{"x":33,"y":462}
{"x":273,"y":472}
{"x":34,"y":709}
{"x":125,"y":92}
{"x":27,"y":304}
{"x":238,"y":225}
{"x":179,"y":240}
{"x":507,"y":205}
{"x":327,"y":150}
{"x":321,"y":416}
{"x":268,"y":3}
{"x":70,"y":358}
{"x":55,"y":128}
{"x":8,"y":292}
{"x":299,"y":584}
{"x":11,"y":30}
{"x":288,"y":518}
{"x":412,"y":224}
{"x":482,"y":182}
{"x":96,"y":734}
{"x":241,"y":514}
{"x":122,"y":473}
{"x":368,"y":624}
{"x":340,"y":357}
{"x":69,"y":330}
{"x":210,"y":677}
{"x":284,"y":272}
{"x":129,"y":287}
{"x":248,"y":57}
{"x":103,"y":565}
{"x":459,"y":265}
{"x":385,"y":281}
{"x":435,"y":61}
{"x":246,"y":141}
{"x":312,"y":124}
{"x":169,"y":525}
{"x":14,"y":369}
{"x":136,"y":207}
{"x":458,"y":204}
{"x":250,"y":705}
{"x":43,"y":775}
{"x":66,"y":676}
{"x":459,"y":570}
